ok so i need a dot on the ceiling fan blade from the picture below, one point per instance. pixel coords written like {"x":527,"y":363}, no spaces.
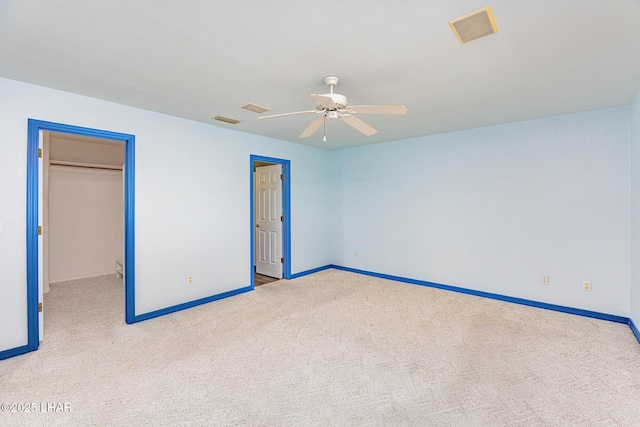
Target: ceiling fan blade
{"x":378,"y":109}
{"x":287,"y":114}
{"x":312,"y":127}
{"x":358,"y":124}
{"x":325,"y":101}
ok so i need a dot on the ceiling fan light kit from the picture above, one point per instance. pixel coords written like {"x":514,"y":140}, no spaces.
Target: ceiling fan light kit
{"x":334,"y":106}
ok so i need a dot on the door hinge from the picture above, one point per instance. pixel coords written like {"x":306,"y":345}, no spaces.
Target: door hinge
{"x":39,"y":307}
{"x":40,"y":152}
{"x":281,"y":219}
{"x":39,"y":230}
{"x":281,"y":177}
{"x":282,"y":260}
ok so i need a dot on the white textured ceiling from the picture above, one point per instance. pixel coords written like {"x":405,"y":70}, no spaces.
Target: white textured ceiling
{"x":197,"y":59}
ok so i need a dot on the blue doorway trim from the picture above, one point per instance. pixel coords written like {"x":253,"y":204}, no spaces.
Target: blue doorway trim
{"x":286,"y":209}
{"x":33,"y":137}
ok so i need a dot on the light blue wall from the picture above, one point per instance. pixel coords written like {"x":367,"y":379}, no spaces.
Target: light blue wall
{"x":493,"y":209}
{"x":635,"y":210}
{"x":490,"y":209}
{"x":192,"y":200}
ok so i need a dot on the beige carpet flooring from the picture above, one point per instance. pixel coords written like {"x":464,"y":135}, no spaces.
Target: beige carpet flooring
{"x":332,"y":348}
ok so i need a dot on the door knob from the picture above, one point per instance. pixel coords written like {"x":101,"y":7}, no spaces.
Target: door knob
{"x":257,"y":225}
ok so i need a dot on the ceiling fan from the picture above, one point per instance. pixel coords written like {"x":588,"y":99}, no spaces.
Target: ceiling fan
{"x":334,"y":106}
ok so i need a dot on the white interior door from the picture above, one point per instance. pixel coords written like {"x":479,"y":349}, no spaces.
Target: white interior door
{"x":40,"y":239}
{"x":268,"y":214}
{"x":43,"y":186}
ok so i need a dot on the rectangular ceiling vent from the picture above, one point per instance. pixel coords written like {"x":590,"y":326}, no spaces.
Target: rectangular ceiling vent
{"x":254,"y":107}
{"x":474,"y":25}
{"x":227,"y":120}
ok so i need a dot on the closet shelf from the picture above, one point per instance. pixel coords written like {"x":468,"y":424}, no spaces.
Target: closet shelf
{"x":83,"y":165}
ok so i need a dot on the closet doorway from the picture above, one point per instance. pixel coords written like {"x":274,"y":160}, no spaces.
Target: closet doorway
{"x":80,"y":192}
{"x":83,"y":207}
{"x":82,"y":219}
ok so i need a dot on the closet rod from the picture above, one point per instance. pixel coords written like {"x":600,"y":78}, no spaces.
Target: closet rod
{"x":83,"y":165}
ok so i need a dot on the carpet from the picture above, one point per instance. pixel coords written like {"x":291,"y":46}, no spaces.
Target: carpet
{"x":331,"y":348}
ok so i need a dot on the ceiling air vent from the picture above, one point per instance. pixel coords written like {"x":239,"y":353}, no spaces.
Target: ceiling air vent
{"x":254,"y":107}
{"x":474,"y":25}
{"x":227,"y":120}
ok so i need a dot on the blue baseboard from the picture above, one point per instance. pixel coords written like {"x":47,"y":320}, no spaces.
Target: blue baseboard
{"x":189,"y":304}
{"x":12,"y":352}
{"x":635,"y":330}
{"x":206,"y":300}
{"x":563,"y":309}
{"x":603,"y":316}
{"x":313,"y":270}
{"x":25,"y":349}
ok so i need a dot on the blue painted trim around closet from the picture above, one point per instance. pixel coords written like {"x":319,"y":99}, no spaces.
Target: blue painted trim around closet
{"x":190,"y":304}
{"x":635,"y":330}
{"x":563,"y":309}
{"x":33,"y":140}
{"x":286,"y":212}
{"x":129,"y":230}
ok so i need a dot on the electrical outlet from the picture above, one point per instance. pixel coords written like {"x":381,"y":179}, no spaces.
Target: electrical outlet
{"x":586,"y":286}
{"x":544,"y":280}
{"x":357,"y":254}
{"x":189,"y":280}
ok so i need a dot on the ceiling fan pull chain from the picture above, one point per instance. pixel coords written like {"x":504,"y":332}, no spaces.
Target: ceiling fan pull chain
{"x":324,"y":129}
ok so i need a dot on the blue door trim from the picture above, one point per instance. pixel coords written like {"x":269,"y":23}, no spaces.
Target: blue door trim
{"x":635,"y":330}
{"x":34,"y":128}
{"x":286,"y":208}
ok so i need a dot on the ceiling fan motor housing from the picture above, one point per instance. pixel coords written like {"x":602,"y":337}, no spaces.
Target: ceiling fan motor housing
{"x":340,"y":102}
